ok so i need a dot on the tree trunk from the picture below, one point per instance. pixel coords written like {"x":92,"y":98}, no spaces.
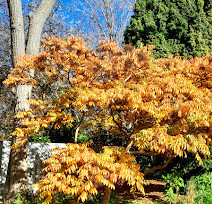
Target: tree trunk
{"x":37,"y":20}
{"x":106,"y":197}
{"x":16,"y":181}
{"x":17,"y":29}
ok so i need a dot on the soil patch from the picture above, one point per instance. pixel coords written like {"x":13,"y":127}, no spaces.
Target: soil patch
{"x":153,"y":192}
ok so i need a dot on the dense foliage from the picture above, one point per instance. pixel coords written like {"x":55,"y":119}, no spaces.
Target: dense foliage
{"x":198,"y":189}
{"x":78,"y":170}
{"x":174,"y":27}
{"x":160,"y":107}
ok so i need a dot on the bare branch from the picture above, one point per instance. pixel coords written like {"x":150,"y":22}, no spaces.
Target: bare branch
{"x":158,"y":167}
{"x":144,"y":153}
{"x":129,"y":145}
{"x":96,"y":18}
{"x":119,"y":125}
{"x":103,"y":18}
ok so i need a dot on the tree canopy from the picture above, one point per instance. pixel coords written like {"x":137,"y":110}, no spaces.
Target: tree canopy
{"x":174,"y":27}
{"x":161,"y":107}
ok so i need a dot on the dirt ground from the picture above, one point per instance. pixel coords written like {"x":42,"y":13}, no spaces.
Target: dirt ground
{"x":154,"y":193}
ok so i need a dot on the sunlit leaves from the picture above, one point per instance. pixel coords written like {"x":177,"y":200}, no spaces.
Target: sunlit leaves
{"x":78,"y":170}
{"x":162,"y":106}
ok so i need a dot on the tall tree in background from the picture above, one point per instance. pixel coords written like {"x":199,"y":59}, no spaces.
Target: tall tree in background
{"x":174,"y":27}
{"x":17,"y":171}
{"x":102,"y":19}
{"x":55,"y":25}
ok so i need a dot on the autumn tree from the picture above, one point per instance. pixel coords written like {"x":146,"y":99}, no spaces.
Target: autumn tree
{"x":161,"y":107}
{"x":174,"y":27}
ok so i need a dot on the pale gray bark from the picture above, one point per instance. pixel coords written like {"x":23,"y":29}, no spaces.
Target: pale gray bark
{"x":17,"y":168}
{"x":16,"y":181}
{"x":23,"y":93}
{"x":17,"y":29}
{"x":37,"y":20}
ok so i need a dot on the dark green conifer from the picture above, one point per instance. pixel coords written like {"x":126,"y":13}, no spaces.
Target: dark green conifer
{"x":175,"y":27}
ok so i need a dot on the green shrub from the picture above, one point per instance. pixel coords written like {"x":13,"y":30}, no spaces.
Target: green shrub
{"x":172,"y":188}
{"x":203,"y":188}
{"x":199,"y":189}
{"x":18,"y":201}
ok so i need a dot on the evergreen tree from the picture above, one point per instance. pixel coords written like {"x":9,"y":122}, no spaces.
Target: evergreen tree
{"x":177,"y":27}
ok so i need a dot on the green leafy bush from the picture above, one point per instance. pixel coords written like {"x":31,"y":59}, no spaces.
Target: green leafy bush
{"x":18,"y":201}
{"x":198,"y":190}
{"x":172,"y":188}
{"x":39,"y":139}
{"x":203,"y":188}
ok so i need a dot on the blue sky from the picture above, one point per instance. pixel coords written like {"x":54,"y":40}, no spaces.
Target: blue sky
{"x":120,"y":8}
{"x":68,"y":3}
{"x":75,"y":19}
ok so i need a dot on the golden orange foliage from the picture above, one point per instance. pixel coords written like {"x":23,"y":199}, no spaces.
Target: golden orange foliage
{"x":79,"y":171}
{"x":161,"y":106}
